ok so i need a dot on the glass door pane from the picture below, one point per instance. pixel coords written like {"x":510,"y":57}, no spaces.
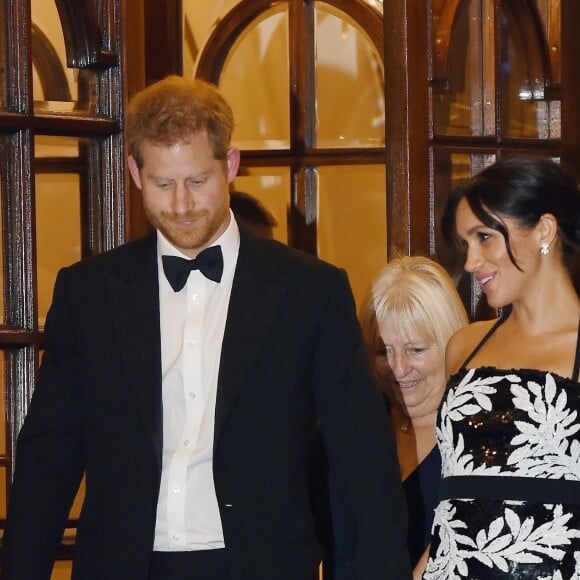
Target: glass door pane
{"x":58,"y":215}
{"x":350,"y":105}
{"x":255,"y":80}
{"x":352,"y":228}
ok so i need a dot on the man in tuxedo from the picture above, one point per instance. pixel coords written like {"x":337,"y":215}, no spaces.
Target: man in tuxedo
{"x":184,"y":376}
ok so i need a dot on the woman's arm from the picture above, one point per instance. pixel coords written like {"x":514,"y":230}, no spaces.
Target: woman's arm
{"x":421,"y":564}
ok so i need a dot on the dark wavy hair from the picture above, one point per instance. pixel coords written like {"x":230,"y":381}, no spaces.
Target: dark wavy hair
{"x":522,"y":189}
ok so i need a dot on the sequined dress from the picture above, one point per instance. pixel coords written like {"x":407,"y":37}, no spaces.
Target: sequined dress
{"x":509,"y":504}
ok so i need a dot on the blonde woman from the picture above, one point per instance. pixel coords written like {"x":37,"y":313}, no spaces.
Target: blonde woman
{"x":413,"y":310}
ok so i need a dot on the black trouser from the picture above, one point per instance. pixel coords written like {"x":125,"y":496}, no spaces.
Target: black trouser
{"x":193,"y":565}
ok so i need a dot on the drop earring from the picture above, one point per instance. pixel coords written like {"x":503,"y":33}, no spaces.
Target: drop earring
{"x":544,"y":248}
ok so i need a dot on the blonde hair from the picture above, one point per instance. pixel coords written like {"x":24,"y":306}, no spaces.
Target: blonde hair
{"x":170,"y":111}
{"x":416,"y":293}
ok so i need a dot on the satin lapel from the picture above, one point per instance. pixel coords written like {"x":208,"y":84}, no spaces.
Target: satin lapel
{"x":256,"y":293}
{"x":134,"y":294}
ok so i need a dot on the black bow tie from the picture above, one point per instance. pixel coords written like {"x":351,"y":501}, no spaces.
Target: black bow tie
{"x":210,"y":263}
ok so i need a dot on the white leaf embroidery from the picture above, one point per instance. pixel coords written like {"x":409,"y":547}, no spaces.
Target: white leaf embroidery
{"x":543,"y":447}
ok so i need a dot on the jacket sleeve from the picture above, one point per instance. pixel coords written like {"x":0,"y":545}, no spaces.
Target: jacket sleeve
{"x":359,"y":441}
{"x":49,"y":454}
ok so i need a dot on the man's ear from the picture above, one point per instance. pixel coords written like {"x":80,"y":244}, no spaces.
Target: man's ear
{"x":134,"y":171}
{"x":233,"y":163}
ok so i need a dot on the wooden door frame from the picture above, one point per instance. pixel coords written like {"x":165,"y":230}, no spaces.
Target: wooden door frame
{"x":409,"y":226}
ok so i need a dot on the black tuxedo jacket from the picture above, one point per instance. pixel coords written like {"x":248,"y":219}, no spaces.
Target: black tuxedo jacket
{"x":292,"y":355}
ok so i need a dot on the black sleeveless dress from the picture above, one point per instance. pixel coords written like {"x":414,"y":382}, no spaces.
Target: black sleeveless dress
{"x":509,"y":503}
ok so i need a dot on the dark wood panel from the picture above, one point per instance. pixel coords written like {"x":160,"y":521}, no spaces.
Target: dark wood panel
{"x":571,"y":84}
{"x":163,"y":49}
{"x":406,"y":106}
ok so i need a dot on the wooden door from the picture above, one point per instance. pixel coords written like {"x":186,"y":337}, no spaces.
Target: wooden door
{"x":62,"y":183}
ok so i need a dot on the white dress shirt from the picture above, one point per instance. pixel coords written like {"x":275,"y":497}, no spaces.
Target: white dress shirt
{"x":192,"y":329}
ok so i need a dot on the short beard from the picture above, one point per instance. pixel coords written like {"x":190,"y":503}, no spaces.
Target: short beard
{"x":196,"y":237}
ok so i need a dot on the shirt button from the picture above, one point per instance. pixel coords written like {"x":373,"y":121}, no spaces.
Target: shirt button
{"x":195,"y":297}
{"x":186,"y":442}
{"x":176,"y":537}
{"x":176,"y":489}
{"x":193,"y":395}
{"x":191,"y":342}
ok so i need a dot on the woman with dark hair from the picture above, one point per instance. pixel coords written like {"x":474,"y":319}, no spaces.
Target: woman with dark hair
{"x":509,"y":428}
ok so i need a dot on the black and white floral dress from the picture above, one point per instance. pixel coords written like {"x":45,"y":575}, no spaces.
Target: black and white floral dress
{"x":510,"y":494}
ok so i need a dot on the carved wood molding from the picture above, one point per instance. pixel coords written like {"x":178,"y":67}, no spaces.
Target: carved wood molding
{"x":82,"y":35}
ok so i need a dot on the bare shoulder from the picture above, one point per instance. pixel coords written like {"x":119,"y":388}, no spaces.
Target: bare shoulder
{"x":462,"y":343}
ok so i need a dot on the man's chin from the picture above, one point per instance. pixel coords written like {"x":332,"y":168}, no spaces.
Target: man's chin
{"x":183,"y":241}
